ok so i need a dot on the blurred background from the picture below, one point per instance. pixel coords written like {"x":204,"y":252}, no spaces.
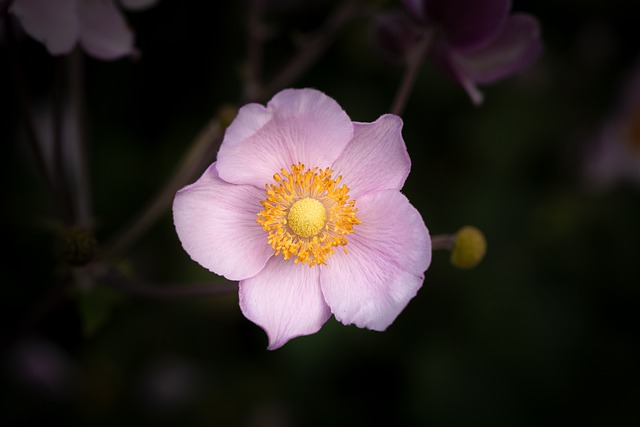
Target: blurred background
{"x":544,"y":331}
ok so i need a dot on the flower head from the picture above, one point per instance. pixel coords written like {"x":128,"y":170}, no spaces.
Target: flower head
{"x":474,"y":42}
{"x":97,"y":25}
{"x":614,"y":155}
{"x":303,"y":208}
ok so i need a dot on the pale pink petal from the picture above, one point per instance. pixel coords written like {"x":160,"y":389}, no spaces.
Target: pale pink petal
{"x":376,"y":159}
{"x":104,"y":34}
{"x":468,"y":24}
{"x":384,"y":268}
{"x":53,"y":23}
{"x":465,"y":80}
{"x":449,"y":62}
{"x":516,"y":48}
{"x":297,"y":125}
{"x":136,"y":5}
{"x":216,"y":224}
{"x":394,"y":36}
{"x":285,"y":300}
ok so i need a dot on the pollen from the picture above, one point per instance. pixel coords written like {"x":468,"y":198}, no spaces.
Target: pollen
{"x":306,"y":214}
{"x":307,"y":217}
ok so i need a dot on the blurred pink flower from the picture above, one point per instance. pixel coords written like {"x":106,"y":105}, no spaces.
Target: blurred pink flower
{"x":614,"y":155}
{"x":97,"y":25}
{"x":474,"y":42}
{"x":294,"y":182}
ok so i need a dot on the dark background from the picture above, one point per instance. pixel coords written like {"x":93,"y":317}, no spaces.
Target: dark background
{"x":543,"y":332}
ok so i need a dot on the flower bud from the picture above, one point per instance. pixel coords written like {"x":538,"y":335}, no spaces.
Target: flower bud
{"x":78,"y":246}
{"x":469,"y":248}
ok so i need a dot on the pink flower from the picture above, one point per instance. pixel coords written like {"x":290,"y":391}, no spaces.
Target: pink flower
{"x":614,"y":154}
{"x":474,"y":42}
{"x":97,"y":25}
{"x":303,"y":207}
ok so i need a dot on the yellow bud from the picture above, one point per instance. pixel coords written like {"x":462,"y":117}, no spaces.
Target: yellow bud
{"x":469,"y":248}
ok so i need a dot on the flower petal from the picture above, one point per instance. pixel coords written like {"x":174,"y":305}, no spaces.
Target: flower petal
{"x":53,"y":23}
{"x":216,"y":224}
{"x":469,"y":24}
{"x":448,"y":60}
{"x":285,"y":300}
{"x":297,"y":125}
{"x":104,"y":34}
{"x":516,"y":48}
{"x":376,"y":159}
{"x":394,"y":36}
{"x":384,"y":268}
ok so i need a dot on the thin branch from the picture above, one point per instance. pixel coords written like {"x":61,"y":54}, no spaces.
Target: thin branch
{"x":27,"y":116}
{"x":443,"y":241}
{"x":314,"y":47}
{"x":256,"y":36}
{"x":58,"y":169}
{"x":201,"y":153}
{"x":176,"y":290}
{"x":80,"y":160}
{"x":414,"y":63}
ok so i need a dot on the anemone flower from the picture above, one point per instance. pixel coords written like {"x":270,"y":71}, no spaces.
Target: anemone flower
{"x":474,"y":42}
{"x":96,"y":25}
{"x":613,"y":156}
{"x":303,"y":207}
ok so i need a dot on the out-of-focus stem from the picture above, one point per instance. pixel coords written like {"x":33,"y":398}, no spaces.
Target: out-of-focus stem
{"x":201,"y":153}
{"x":176,"y":290}
{"x":256,"y":35}
{"x":54,"y":189}
{"x":311,"y":49}
{"x":414,"y":64}
{"x":80,"y":158}
{"x":443,"y":241}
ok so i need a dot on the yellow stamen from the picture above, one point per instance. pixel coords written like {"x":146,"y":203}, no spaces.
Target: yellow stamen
{"x":307,"y":214}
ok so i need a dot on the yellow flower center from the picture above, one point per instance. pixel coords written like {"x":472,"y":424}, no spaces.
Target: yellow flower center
{"x":307,"y":217}
{"x":306,"y":214}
